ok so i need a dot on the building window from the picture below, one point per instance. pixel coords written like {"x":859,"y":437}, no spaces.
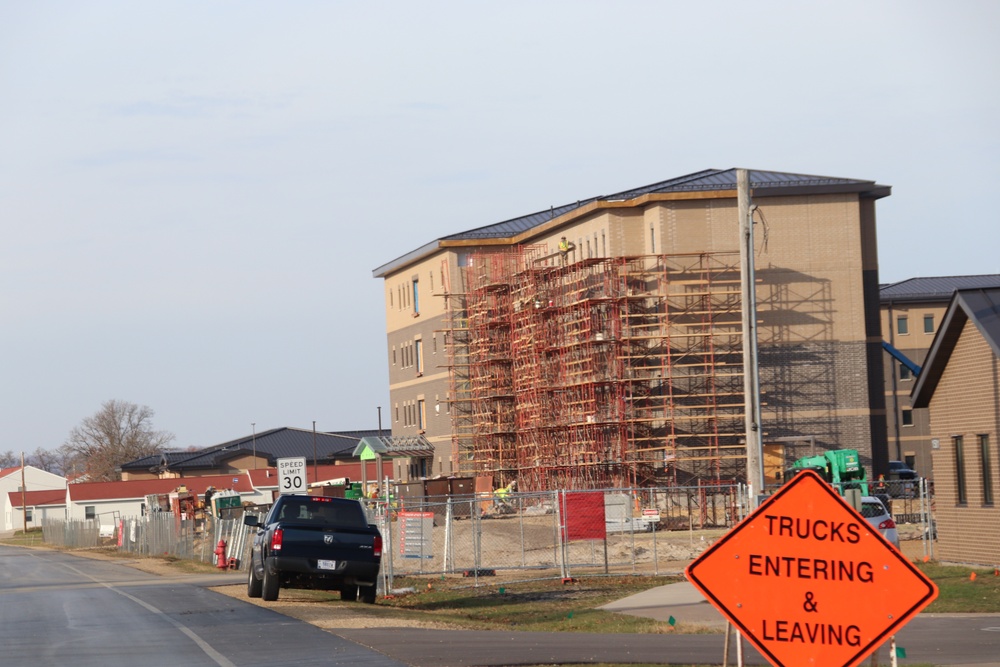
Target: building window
{"x":416,"y":297}
{"x":421,"y":415}
{"x":432,"y":281}
{"x":902,"y":326}
{"x":393,"y":355}
{"x":984,"y":457}
{"x":89,"y":513}
{"x":652,"y":240}
{"x":907,"y":417}
{"x":905,"y":373}
{"x":960,"y":490}
{"x":928,"y":324}
{"x":420,"y":355}
{"x":434,"y":343}
{"x":397,"y":412}
{"x":28,"y":515}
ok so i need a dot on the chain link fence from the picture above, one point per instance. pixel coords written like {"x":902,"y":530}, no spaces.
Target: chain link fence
{"x":540,"y":535}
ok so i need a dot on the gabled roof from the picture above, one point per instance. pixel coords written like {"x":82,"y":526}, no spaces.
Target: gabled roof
{"x":9,"y":471}
{"x":274,"y":444}
{"x":721,"y":182}
{"x":140,"y":488}
{"x":982,"y":307}
{"x":938,"y":288}
{"x":52,"y":497}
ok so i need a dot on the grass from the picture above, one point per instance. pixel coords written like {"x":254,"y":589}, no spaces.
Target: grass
{"x":959,"y":592}
{"x":536,"y":606}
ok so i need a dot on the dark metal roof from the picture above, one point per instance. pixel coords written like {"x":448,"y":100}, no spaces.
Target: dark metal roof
{"x":762,"y":183}
{"x":939,"y":288}
{"x":275,"y":444}
{"x":982,"y":307}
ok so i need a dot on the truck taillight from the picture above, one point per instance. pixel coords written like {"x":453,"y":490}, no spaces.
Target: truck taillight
{"x":377,"y":547}
{"x":276,"y":538}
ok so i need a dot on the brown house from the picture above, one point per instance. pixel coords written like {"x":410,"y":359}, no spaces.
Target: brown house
{"x":960,"y":384}
{"x":912,"y":312}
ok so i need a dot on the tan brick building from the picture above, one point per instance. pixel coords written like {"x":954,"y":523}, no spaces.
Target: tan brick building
{"x":960,"y":384}
{"x":912,"y":311}
{"x":661,"y":259}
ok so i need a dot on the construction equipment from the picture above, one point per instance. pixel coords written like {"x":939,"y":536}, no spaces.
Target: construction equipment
{"x":840,"y":467}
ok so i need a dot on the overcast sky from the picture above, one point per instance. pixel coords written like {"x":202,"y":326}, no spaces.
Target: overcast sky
{"x":193,"y":195}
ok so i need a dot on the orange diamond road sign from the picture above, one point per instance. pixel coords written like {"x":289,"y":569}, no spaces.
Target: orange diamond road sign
{"x":808,"y":581}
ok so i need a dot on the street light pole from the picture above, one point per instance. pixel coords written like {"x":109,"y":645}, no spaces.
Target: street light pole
{"x":253,"y":425}
{"x":315,"y":462}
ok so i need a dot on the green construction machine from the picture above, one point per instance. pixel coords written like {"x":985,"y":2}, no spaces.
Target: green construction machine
{"x":840,"y":467}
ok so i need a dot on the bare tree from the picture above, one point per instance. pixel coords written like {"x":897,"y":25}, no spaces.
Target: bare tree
{"x":8,"y":459}
{"x":117,"y":433}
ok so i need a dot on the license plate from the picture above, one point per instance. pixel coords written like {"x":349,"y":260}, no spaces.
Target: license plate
{"x":326,"y":564}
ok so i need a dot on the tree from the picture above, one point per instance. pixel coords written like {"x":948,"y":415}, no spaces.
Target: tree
{"x":117,"y":433}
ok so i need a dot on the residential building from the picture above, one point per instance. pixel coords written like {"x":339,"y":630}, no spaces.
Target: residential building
{"x":599,"y":343}
{"x":912,"y":311}
{"x":30,"y":479}
{"x":960,"y":386}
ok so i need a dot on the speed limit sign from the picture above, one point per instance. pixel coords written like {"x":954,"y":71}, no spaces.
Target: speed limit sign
{"x":292,"y":475}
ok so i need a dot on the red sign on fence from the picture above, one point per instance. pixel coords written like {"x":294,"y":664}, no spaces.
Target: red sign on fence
{"x":582,"y":515}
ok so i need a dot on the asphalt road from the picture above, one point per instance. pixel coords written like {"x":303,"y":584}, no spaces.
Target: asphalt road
{"x":58,"y":609}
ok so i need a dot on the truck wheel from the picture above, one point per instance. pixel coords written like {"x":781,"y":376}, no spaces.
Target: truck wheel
{"x":349,"y":593}
{"x":254,"y":585}
{"x":270,"y":586}
{"x":367,"y":594}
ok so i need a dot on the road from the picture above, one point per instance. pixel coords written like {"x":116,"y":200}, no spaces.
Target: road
{"x":58,"y":609}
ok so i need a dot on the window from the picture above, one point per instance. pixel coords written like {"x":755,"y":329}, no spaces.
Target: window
{"x":416,"y":297}
{"x":393,"y":355}
{"x":434,"y":343}
{"x":902,"y":325}
{"x":604,"y":248}
{"x":397,"y":412}
{"x":984,"y":457}
{"x":905,"y":373}
{"x":421,"y":415}
{"x":928,"y":324}
{"x":420,"y":356}
{"x":432,"y":281}
{"x":28,"y":515}
{"x":89,"y":513}
{"x":960,"y":490}
{"x":907,"y":417}
{"x":652,"y":241}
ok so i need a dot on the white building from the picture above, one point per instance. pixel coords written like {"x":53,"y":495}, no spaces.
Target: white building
{"x":34,"y":479}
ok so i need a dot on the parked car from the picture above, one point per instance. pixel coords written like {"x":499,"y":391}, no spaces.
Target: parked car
{"x":314,"y":542}
{"x":899,"y":470}
{"x":878,"y":517}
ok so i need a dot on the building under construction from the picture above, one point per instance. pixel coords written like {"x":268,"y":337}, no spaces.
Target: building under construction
{"x":599,"y":343}
{"x":604,"y":372}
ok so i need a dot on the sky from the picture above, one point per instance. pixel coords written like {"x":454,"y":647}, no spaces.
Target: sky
{"x":194,"y":195}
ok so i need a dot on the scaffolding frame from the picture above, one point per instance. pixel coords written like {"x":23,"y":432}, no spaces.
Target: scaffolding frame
{"x":605,"y":372}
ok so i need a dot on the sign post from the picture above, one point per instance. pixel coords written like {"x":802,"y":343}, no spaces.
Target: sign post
{"x":292,"y":475}
{"x":808,"y":581}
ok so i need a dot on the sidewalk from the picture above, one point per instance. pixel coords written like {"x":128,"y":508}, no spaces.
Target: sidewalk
{"x":681,"y":601}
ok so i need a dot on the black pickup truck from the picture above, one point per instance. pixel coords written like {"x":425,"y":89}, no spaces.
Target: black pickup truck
{"x":314,"y":542}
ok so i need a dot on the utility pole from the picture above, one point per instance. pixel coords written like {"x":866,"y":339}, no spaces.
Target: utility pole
{"x":24,"y":506}
{"x":751,"y":374}
{"x":315,"y":458}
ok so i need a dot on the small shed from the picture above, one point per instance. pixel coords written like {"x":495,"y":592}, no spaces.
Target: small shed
{"x":379,"y":447}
